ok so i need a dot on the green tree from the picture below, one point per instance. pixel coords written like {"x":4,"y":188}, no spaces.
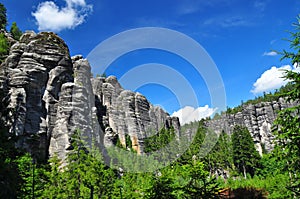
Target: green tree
{"x":220,"y":156}
{"x":288,"y":126}
{"x":162,"y":187}
{"x":199,"y":184}
{"x":3,"y":19}
{"x":195,"y":145}
{"x":3,"y":47}
{"x":56,"y":181}
{"x":84,"y":174}
{"x":288,"y":144}
{"x":245,"y":156}
{"x":15,"y":31}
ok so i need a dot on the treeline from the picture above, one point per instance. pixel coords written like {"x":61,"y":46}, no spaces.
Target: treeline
{"x":266,"y":97}
{"x":232,"y":163}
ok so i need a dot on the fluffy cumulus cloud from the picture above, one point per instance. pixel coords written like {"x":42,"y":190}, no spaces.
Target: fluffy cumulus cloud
{"x":190,"y":114}
{"x":272,"y":79}
{"x":51,"y":17}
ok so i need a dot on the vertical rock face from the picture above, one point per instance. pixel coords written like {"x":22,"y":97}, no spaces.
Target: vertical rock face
{"x":35,"y":71}
{"x":75,"y":111}
{"x":51,"y":95}
{"x":128,"y":113}
{"x":258,"y":118}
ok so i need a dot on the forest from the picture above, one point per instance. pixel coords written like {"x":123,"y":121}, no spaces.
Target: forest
{"x":233,"y":165}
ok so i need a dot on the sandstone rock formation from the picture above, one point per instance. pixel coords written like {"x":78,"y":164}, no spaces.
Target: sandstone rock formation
{"x":50,"y":95}
{"x":125,"y":112}
{"x":33,"y":74}
{"x":258,"y":118}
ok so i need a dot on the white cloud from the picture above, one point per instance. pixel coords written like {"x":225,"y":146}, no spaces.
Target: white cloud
{"x":50,"y":17}
{"x":272,"y":53}
{"x":272,"y":79}
{"x":190,"y":114}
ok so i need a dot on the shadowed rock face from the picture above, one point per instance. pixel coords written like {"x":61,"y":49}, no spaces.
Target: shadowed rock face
{"x":50,"y":95}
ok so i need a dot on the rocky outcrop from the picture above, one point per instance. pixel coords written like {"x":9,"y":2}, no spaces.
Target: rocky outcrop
{"x":76,"y":111}
{"x":127,"y":112}
{"x":33,"y":74}
{"x":51,"y":95}
{"x":258,"y":118}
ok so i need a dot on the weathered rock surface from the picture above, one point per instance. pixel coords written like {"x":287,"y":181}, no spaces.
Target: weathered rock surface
{"x":258,"y":118}
{"x":34,"y":73}
{"x":51,"y":95}
{"x":75,"y":111}
{"x":126,"y":112}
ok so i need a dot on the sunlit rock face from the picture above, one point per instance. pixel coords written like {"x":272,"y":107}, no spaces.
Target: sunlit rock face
{"x":51,"y":95}
{"x":258,"y":118}
{"x":36,"y":69}
{"x":130,"y":113}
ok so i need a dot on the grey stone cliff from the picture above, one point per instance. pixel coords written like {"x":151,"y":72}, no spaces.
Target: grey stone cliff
{"x":126,"y":112}
{"x":258,"y":118}
{"x":50,"y":95}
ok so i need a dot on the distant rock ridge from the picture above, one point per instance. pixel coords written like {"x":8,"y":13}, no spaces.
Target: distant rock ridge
{"x":50,"y":95}
{"x":258,"y":118}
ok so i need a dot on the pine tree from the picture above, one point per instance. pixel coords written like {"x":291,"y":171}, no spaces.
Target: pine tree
{"x":220,"y":156}
{"x":15,"y":31}
{"x":3,"y":47}
{"x":3,"y":19}
{"x":199,"y":184}
{"x":162,"y":187}
{"x":245,"y":156}
{"x":288,"y":121}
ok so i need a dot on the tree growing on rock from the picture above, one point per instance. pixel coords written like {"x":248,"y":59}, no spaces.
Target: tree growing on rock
{"x":15,"y":31}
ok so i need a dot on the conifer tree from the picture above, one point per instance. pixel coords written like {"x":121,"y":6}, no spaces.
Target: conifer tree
{"x":3,"y":19}
{"x":15,"y":31}
{"x":288,"y":121}
{"x":245,"y":156}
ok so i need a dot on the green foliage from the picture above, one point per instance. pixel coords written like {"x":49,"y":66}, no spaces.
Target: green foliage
{"x":3,"y":19}
{"x":272,"y":186}
{"x":198,"y":184}
{"x":156,"y":142}
{"x":84,"y":175}
{"x":128,"y":141}
{"x":15,"y":31}
{"x":196,"y":144}
{"x":162,"y":187}
{"x":3,"y":47}
{"x":287,"y":129}
{"x":220,"y":156}
{"x":245,"y":156}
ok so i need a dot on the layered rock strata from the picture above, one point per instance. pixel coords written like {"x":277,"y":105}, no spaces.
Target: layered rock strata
{"x":258,"y":118}
{"x":51,"y":95}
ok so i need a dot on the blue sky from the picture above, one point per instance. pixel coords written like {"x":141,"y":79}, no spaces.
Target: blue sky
{"x":237,"y":34}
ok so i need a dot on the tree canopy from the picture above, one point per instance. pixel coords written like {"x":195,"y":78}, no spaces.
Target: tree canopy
{"x":3,"y":18}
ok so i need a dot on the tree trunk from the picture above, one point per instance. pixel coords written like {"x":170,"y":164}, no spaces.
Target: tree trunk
{"x":244,"y":170}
